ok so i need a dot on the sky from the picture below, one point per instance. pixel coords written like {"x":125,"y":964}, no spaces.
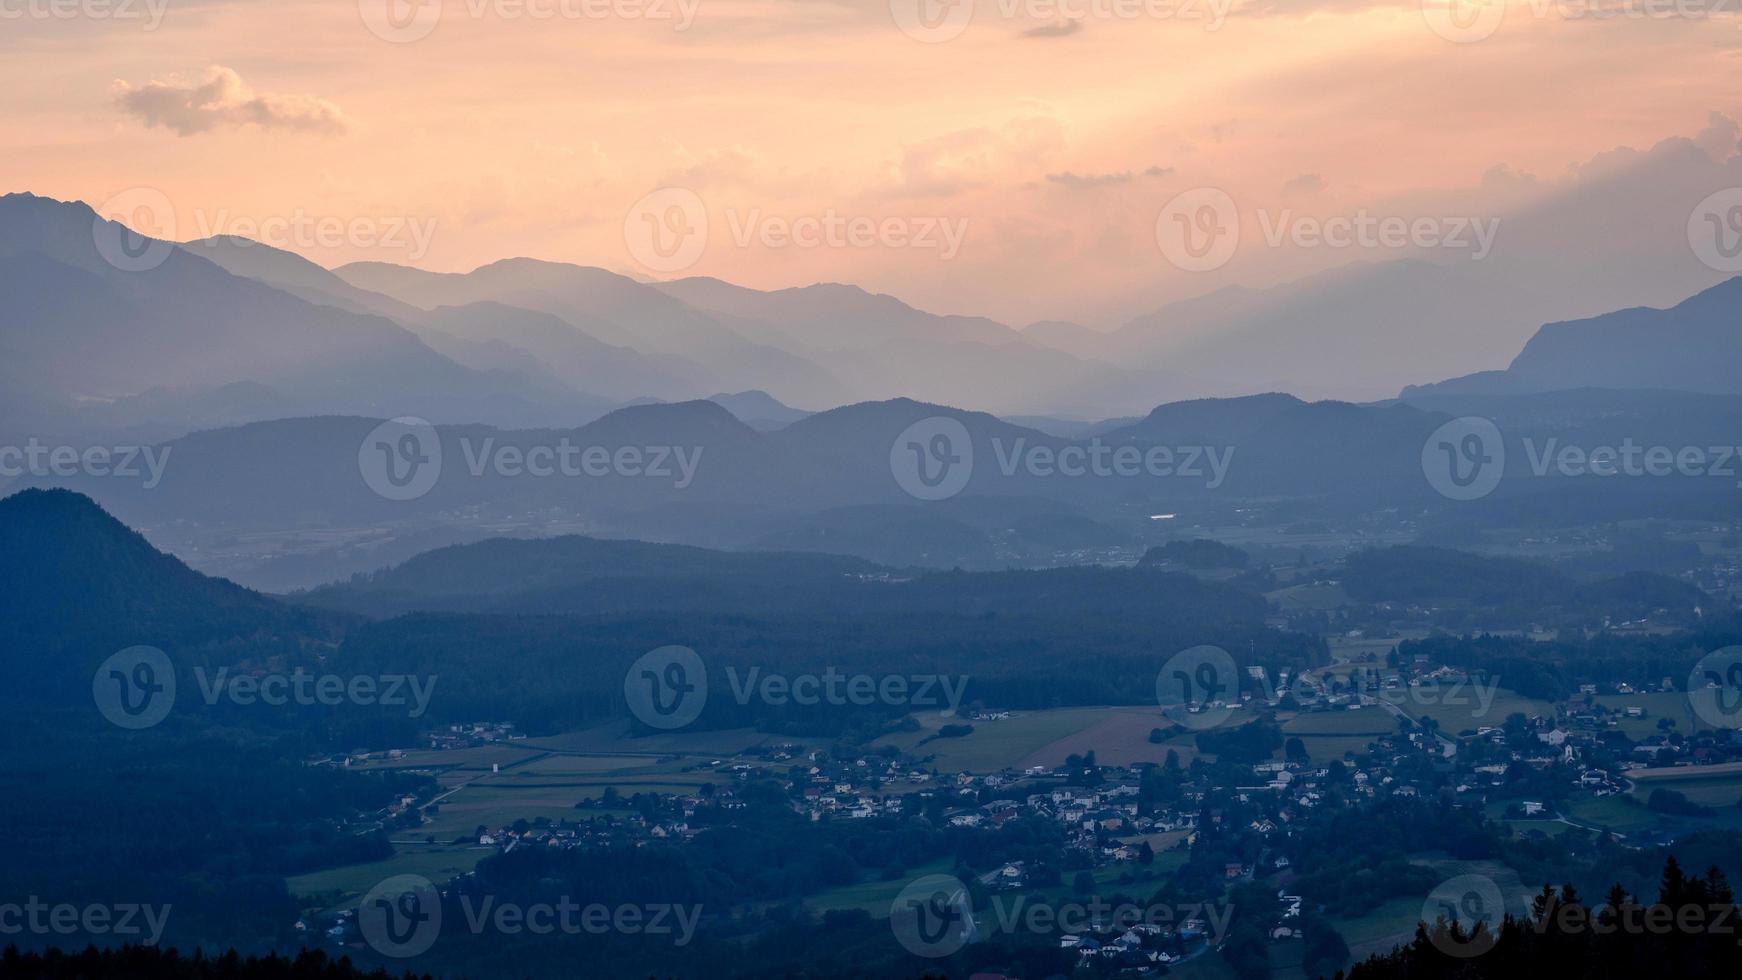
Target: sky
{"x":1019,"y":159}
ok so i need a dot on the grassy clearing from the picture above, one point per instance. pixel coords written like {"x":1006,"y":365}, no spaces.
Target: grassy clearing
{"x":1393,"y":922}
{"x":615,"y":738}
{"x":1719,"y":787}
{"x":1460,"y":709}
{"x":996,"y":745}
{"x":1658,"y":705}
{"x":874,"y":897}
{"x":338,"y":888}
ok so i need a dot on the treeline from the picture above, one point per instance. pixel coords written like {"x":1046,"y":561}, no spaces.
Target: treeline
{"x":1689,"y":931}
{"x":1507,"y":592}
{"x":1554,"y":669}
{"x":208,"y":822}
{"x":550,"y":673}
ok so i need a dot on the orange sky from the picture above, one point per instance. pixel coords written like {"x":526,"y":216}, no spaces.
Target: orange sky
{"x":501,"y":133}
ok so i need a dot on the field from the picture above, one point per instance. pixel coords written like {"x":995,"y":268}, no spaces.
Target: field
{"x":1027,"y":735}
{"x":536,"y":778}
{"x":1393,"y":922}
{"x":1118,"y":736}
{"x":873,"y":896}
{"x":1297,"y":598}
{"x":1330,"y":735}
{"x":1658,"y":705}
{"x":616,"y":739}
{"x":1719,"y":787}
{"x":1459,"y":709}
{"x":335,"y":888}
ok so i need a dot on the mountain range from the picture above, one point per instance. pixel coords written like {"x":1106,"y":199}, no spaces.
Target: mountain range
{"x":224,"y":331}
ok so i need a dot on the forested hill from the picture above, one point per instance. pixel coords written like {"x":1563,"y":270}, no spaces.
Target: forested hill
{"x":78,"y":585}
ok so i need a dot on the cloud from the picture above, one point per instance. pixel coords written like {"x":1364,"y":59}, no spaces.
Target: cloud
{"x":1063,"y":28}
{"x":1719,"y":138}
{"x":1304,"y":185}
{"x":1076,"y":181}
{"x":221,"y":99}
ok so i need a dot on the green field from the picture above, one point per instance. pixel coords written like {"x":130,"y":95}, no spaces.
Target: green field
{"x":873,"y":896}
{"x":1719,"y":787}
{"x":1394,"y":921}
{"x":1296,"y":598}
{"x":1007,"y":744}
{"x":1460,"y":709}
{"x":335,"y":888}
{"x":1657,"y":704}
{"x":615,"y":738}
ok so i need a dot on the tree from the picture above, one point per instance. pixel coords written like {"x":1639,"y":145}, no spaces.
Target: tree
{"x":1323,"y":950}
{"x":1146,"y":854}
